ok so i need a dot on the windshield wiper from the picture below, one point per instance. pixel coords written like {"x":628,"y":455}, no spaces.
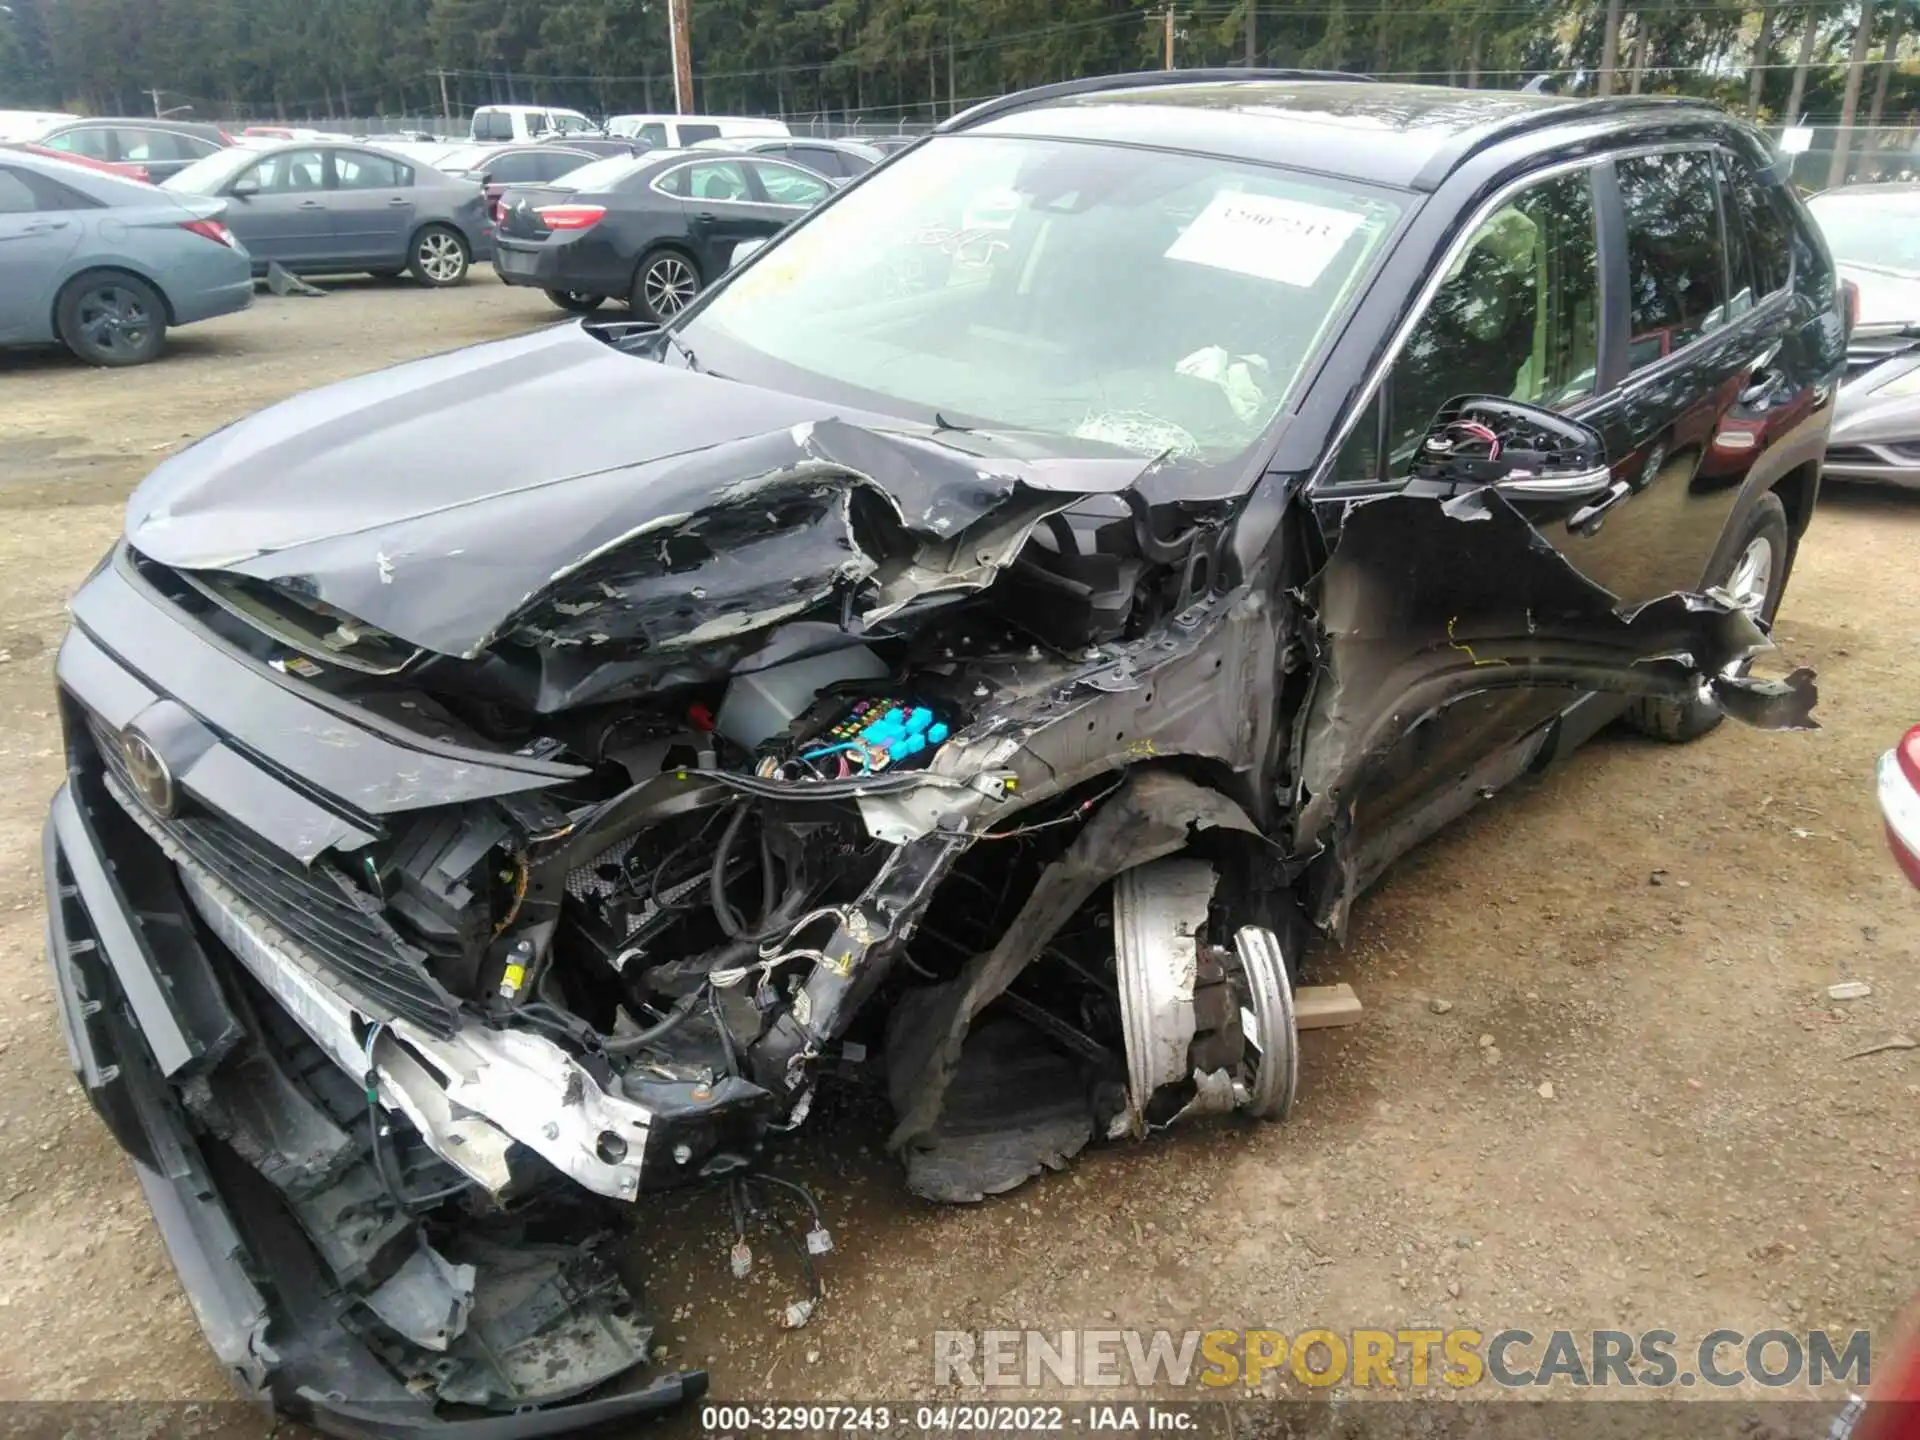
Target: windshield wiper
{"x":693,"y":361}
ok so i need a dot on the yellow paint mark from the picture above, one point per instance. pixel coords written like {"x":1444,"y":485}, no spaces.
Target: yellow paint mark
{"x":1462,"y":645}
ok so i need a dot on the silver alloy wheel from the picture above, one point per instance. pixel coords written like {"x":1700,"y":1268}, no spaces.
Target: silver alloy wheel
{"x":115,"y":320}
{"x":669,"y":285}
{"x":441,"y":256}
{"x":1752,"y":578}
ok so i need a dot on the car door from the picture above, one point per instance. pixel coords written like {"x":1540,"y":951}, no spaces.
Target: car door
{"x":720,"y":208}
{"x":279,"y":208}
{"x":1600,"y":291}
{"x":1516,"y":310}
{"x":786,"y":192}
{"x":372,"y":205}
{"x":40,"y":225}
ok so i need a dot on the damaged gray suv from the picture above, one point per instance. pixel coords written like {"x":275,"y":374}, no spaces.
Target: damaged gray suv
{"x":969,"y":655}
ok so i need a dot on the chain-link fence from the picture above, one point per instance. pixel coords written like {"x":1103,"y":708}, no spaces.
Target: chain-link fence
{"x":1884,"y":152}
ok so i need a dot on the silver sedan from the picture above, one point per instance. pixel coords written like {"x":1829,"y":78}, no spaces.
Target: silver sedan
{"x":324,"y":208}
{"x":104,"y":264}
{"x":1874,"y":233}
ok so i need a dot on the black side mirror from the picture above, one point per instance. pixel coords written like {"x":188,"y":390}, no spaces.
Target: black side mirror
{"x":244,"y":189}
{"x":1523,"y":449}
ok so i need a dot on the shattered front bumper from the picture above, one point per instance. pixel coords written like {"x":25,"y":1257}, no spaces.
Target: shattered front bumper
{"x":129,"y":1006}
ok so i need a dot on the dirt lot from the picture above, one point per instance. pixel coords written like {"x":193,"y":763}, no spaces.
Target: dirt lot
{"x":1635,"y":1110}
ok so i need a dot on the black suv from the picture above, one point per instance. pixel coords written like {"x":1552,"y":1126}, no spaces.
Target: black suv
{"x":989,"y":633}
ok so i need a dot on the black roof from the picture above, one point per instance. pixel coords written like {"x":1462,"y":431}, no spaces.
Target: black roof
{"x":1397,"y":135}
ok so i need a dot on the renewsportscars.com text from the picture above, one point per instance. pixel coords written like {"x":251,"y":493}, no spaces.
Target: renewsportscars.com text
{"x":1400,"y":1358}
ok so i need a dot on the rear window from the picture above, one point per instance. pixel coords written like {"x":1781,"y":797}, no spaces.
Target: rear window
{"x":492,"y":125}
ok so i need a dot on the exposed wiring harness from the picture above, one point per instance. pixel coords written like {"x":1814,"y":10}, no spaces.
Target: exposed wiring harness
{"x":387,"y":1182}
{"x":752,"y":1203}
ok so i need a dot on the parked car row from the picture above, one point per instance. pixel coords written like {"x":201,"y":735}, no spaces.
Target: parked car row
{"x":651,"y":230}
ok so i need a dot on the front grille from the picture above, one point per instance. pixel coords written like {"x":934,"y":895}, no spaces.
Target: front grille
{"x":339,"y":927}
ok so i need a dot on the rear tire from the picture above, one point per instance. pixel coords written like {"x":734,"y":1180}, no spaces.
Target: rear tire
{"x":440,"y":257}
{"x":113,"y":319}
{"x":664,"y":283}
{"x":1757,"y":578}
{"x":576,"y":302}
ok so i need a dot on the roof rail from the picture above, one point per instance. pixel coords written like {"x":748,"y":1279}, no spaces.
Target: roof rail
{"x":1448,"y":158}
{"x":1094,"y":84}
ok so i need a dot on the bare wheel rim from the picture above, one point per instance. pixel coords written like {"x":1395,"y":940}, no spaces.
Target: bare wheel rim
{"x":114,"y":320}
{"x":1752,"y":577}
{"x":669,"y":285}
{"x":440,"y":256}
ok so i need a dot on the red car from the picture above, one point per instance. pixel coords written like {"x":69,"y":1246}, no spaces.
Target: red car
{"x":131,"y":170}
{"x":1899,"y":787}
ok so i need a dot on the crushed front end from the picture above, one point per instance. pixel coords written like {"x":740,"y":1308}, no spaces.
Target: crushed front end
{"x":407,"y":949}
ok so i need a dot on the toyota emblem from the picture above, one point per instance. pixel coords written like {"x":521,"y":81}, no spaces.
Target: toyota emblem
{"x":147,"y":772}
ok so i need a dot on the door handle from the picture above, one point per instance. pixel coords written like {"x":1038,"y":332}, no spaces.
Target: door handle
{"x":399,"y":200}
{"x":40,"y":227}
{"x":705,"y":215}
{"x":311,"y":205}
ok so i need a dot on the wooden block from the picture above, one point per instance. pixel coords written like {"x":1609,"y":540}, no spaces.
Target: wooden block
{"x":1315,"y":1007}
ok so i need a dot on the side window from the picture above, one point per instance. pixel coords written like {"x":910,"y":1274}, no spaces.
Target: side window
{"x":492,"y":125}
{"x":1517,"y":316}
{"x":787,"y":186}
{"x":693,"y":134}
{"x":537,"y":123}
{"x":1754,"y":212}
{"x":654,"y":133}
{"x":144,"y":145}
{"x":1676,"y":264}
{"x":290,"y":171}
{"x":519,"y":168}
{"x":94,"y":144}
{"x":358,"y":170}
{"x":817,"y":157}
{"x":16,"y":196}
{"x":708,"y":180}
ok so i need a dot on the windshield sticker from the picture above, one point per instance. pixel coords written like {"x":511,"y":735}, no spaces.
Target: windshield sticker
{"x":1265,"y":236}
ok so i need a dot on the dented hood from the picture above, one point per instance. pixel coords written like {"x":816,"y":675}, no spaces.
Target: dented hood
{"x":445,"y":501}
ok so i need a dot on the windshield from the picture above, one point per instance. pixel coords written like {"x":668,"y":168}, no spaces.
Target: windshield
{"x":1880,"y":228}
{"x":206,"y":175}
{"x":1161,"y":302}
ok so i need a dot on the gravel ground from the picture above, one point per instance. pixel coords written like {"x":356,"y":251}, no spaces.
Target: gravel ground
{"x":1599,"y":1083}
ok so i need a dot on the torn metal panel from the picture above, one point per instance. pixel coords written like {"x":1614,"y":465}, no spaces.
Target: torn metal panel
{"x":1015,"y":1108}
{"x":1152,"y":814}
{"x":1425,"y":601}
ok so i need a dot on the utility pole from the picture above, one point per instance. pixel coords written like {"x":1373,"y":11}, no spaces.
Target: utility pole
{"x":446,"y":110}
{"x":681,"y":27}
{"x":1850,"y":98}
{"x":952,"y":108}
{"x":1252,"y":46}
{"x":1610,"y":47}
{"x":1167,"y":16}
{"x":156,"y":94}
{"x":1808,"y":33}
